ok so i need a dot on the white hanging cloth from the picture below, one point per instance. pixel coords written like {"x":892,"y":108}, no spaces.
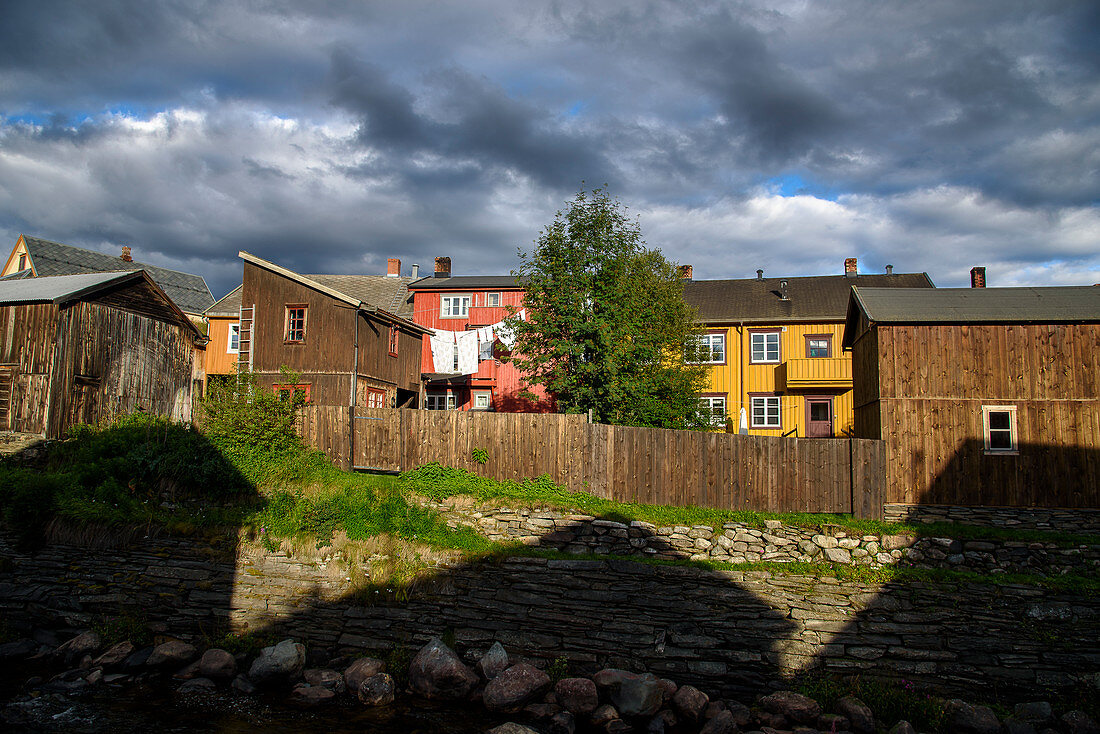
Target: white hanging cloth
{"x":443,"y":351}
{"x":467,"y":352}
{"x":506,"y":335}
{"x":743,"y":427}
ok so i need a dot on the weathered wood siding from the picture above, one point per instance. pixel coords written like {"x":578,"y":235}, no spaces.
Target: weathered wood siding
{"x":111,"y":362}
{"x":27,"y":349}
{"x":326,"y":357}
{"x":927,"y":407}
{"x":650,"y":465}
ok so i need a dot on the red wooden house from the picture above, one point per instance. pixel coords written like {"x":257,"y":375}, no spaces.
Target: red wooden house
{"x":461,"y":306}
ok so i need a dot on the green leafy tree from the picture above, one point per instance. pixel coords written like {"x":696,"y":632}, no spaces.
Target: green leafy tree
{"x":607,"y":327}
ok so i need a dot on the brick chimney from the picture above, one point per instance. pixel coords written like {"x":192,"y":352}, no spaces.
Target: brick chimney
{"x":394,"y":268}
{"x":850,"y":267}
{"x":977,"y":277}
{"x":443,"y":267}
{"x":126,"y":255}
{"x":685,"y":272}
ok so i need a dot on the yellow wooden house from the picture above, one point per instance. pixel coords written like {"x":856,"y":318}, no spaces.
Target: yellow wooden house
{"x":774,"y":347}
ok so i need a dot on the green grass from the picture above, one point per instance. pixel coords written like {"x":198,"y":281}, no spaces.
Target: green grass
{"x":439,"y":483}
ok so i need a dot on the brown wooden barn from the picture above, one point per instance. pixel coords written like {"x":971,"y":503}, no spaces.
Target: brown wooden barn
{"x":340,"y":332}
{"x":85,"y":348}
{"x":984,"y":396}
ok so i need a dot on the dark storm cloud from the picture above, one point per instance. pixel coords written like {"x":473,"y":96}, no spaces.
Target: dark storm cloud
{"x":329,"y":136}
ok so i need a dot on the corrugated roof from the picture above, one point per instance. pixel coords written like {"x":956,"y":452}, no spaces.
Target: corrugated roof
{"x":188,"y":291}
{"x":467,"y":283}
{"x":380,"y":291}
{"x":1050,"y":304}
{"x":55,"y":289}
{"x":813,"y":298}
{"x":227,"y":305}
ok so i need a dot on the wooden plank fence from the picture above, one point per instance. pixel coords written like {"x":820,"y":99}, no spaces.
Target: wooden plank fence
{"x":628,"y":464}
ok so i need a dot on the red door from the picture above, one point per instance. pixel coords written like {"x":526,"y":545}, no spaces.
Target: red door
{"x":819,"y":417}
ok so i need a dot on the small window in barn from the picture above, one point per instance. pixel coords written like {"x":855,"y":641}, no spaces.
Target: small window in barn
{"x":22,"y":261}
{"x":492,"y":300}
{"x":818,"y":345}
{"x":376,"y":398}
{"x":295,"y":324}
{"x":765,"y":346}
{"x":393,"y":340}
{"x":234,"y":345}
{"x":292,"y":392}
{"x":999,"y":427}
{"x":482,"y":400}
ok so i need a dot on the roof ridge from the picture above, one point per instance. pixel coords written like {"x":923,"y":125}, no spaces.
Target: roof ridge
{"x":104,"y":254}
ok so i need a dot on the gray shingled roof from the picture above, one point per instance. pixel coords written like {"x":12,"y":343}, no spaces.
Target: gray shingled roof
{"x":1052,"y":304}
{"x":227,"y":305}
{"x":814,"y":298}
{"x":467,"y":283}
{"x":189,"y":292}
{"x":380,"y":291}
{"x":54,"y":289}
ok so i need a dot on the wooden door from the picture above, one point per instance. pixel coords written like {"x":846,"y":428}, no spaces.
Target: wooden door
{"x":819,"y":417}
{"x":7,"y":383}
{"x":377,"y":439}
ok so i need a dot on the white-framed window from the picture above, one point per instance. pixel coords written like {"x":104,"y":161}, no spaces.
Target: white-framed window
{"x":376,"y":398}
{"x":492,"y":300}
{"x":454,"y":307}
{"x":234,"y":345}
{"x":482,"y":400}
{"x":765,"y":346}
{"x":765,"y":411}
{"x":712,"y":349}
{"x":715,"y":408}
{"x":999,"y":429}
{"x":441,"y":401}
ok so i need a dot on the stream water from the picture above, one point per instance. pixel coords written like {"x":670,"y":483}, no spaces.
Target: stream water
{"x":156,"y":707}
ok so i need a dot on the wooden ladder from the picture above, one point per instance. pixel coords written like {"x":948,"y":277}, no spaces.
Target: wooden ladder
{"x":7,"y":382}
{"x":244,"y":338}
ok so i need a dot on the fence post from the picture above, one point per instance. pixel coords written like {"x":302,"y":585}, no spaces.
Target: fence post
{"x":852,"y":477}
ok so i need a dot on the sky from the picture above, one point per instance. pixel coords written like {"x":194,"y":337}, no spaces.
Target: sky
{"x":783,"y":135}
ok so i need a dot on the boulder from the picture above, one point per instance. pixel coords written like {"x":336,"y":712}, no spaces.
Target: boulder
{"x":494,"y":662}
{"x":1078,"y":722}
{"x":217,"y":664}
{"x":309,"y":696}
{"x":115,"y":655}
{"x":833,"y":722}
{"x":187,"y":672}
{"x":138,"y":659}
{"x":173,"y":654}
{"x":541,"y":710}
{"x":437,"y":673}
{"x":632,"y":694}
{"x":360,"y":670}
{"x":964,"y":718}
{"x":18,"y":650}
{"x":721,"y":723}
{"x":1035,"y":712}
{"x":1012,"y":725}
{"x":690,"y":703}
{"x":858,"y":714}
{"x":376,"y":690}
{"x":279,"y":664}
{"x":793,"y":706}
{"x":903,"y":727}
{"x":562,"y":723}
{"x":511,"y":728}
{"x":83,"y":644}
{"x":604,"y":714}
{"x":577,"y":695}
{"x":740,"y":712}
{"x":325,"y":678}
{"x":243,"y":685}
{"x":514,"y":688}
{"x":197,"y":685}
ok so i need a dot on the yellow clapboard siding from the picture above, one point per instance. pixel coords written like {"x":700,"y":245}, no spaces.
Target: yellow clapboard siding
{"x":738,"y":379}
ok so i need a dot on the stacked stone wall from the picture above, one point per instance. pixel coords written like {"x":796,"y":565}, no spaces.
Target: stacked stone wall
{"x":1029,"y":518}
{"x":727,"y":632}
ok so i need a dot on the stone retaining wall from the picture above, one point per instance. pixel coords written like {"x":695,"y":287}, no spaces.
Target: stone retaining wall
{"x":739,"y":543}
{"x":729,"y":633}
{"x":1033,"y":518}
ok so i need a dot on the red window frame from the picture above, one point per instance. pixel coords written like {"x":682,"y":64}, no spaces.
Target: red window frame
{"x":394,"y":336}
{"x":779,"y":346}
{"x":827,"y":338}
{"x":294,"y":323}
{"x":376,"y":398}
{"x":287,"y":391}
